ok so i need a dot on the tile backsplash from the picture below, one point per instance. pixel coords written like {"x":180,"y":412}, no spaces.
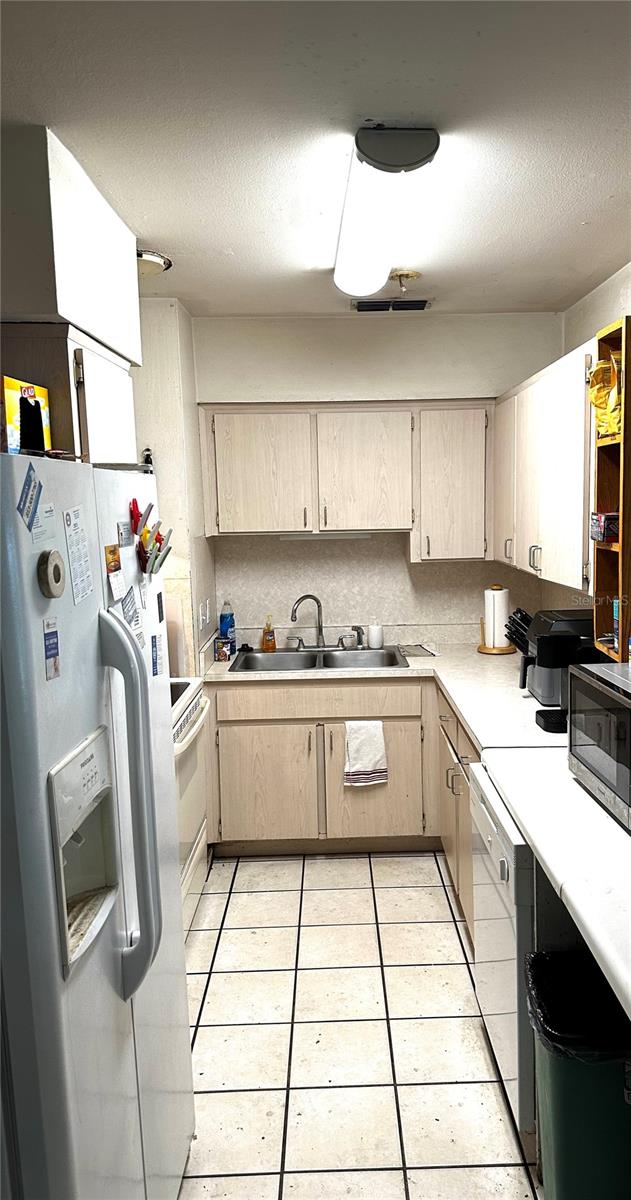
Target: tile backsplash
{"x":359,"y":581}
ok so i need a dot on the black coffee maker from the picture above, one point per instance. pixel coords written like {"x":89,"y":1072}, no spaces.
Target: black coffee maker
{"x":550,"y":642}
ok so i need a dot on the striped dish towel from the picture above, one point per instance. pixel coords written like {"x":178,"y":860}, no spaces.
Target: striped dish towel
{"x":365,"y":754}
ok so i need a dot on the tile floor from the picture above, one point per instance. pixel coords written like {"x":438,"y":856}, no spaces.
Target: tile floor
{"x":338,"y":1051}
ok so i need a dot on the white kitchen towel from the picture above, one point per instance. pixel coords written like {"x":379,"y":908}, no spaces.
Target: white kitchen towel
{"x":366,"y":761}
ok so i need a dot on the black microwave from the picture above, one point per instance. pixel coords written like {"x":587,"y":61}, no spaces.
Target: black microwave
{"x":599,"y":725}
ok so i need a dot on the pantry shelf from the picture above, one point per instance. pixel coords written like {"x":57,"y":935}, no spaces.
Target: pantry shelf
{"x":612,"y":493}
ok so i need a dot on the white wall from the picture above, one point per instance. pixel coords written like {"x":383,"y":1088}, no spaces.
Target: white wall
{"x":370,"y":357}
{"x":167,"y":421}
{"x":612,"y":299}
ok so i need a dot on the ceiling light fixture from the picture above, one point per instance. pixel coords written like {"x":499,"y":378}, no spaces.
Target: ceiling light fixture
{"x":152,"y":262}
{"x":381,"y":160}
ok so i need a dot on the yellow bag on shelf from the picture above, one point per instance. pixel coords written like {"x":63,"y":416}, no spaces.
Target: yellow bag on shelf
{"x":604,"y":394}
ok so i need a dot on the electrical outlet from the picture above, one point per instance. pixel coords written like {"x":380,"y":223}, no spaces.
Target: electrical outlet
{"x":202,"y":616}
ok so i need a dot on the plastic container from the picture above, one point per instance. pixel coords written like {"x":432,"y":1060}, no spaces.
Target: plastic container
{"x":227,"y":630}
{"x":582,"y":1039}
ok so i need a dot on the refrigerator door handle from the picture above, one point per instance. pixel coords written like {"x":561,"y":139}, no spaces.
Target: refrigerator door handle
{"x":120,"y":650}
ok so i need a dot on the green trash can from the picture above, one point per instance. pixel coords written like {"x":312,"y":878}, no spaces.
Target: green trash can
{"x":582,"y":1042}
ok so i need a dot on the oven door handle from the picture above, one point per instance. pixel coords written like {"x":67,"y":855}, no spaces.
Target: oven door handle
{"x":181,"y":747}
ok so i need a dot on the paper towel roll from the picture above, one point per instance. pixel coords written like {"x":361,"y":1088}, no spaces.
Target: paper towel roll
{"x":495,"y":615}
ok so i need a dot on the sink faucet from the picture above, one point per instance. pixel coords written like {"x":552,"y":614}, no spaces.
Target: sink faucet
{"x":294,"y":611}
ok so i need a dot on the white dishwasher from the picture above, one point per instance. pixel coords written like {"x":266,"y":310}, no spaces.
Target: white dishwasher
{"x":503,"y":911}
{"x":190,"y":711}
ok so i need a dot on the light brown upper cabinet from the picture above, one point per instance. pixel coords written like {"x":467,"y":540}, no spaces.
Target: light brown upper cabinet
{"x":552,"y":474}
{"x":365,"y":470}
{"x":453,"y":449}
{"x":263,"y":467}
{"x":504,"y":481}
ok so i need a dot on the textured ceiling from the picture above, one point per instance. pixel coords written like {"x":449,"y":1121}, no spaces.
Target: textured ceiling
{"x":221,"y":133}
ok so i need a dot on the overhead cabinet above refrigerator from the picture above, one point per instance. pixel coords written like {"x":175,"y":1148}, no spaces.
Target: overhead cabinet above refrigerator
{"x":67,"y":256}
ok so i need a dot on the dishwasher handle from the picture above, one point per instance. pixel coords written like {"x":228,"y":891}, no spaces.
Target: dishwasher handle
{"x":197,"y":726}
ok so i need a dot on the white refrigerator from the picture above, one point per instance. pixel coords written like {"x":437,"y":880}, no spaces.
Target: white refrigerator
{"x":97,"y":1098}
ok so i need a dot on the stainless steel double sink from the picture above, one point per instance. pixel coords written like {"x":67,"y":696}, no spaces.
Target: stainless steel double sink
{"x":318,"y":659}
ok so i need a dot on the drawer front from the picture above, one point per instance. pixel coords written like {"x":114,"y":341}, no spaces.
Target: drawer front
{"x":315,"y":702}
{"x":447,"y":719}
{"x":467,"y":752}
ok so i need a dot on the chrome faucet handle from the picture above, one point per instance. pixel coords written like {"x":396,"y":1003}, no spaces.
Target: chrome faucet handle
{"x":360,"y":631}
{"x":341,"y":641}
{"x":298,"y":640}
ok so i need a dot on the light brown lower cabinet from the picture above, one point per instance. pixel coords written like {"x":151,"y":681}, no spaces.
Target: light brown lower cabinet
{"x":392,"y":809}
{"x":465,"y":850}
{"x":447,"y":765}
{"x":269,"y":782}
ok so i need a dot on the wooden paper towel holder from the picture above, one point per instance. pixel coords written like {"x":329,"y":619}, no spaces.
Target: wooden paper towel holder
{"x":482,"y":649}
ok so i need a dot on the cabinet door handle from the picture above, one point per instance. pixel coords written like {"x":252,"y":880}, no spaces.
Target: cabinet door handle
{"x":427,"y":544}
{"x":530,"y":554}
{"x":309,"y":743}
{"x":447,"y":779}
{"x":325,"y":516}
{"x":304,"y":513}
{"x":443,"y":718}
{"x":508,"y":542}
{"x":537,"y":561}
{"x":331,"y":741}
{"x":456,"y":775}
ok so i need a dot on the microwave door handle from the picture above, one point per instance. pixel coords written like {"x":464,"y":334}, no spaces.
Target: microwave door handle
{"x":118,"y":653}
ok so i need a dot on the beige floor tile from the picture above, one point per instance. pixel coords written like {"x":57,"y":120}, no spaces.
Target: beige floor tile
{"x":443,"y":991}
{"x":237,"y":998}
{"x":420,"y":944}
{"x":240,"y":1056}
{"x":338,"y":946}
{"x":340,"y":1053}
{"x":456,"y":1125}
{"x":195,"y":985}
{"x":220,"y":876}
{"x":269,"y":875}
{"x":337,"y":871}
{"x":343,"y":1128}
{"x":470,"y":1183}
{"x":237,"y":1132}
{"x":199,"y":948}
{"x":256,"y":950}
{"x":262,"y":909}
{"x":411,"y":870}
{"x":239,"y":1187}
{"x":449,"y":1050}
{"x":209,"y":911}
{"x":344,"y":1185}
{"x":339,"y":995}
{"x":339,"y":906}
{"x":412,"y":904}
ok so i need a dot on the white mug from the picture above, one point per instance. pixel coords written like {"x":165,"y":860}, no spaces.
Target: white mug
{"x":375,"y":637}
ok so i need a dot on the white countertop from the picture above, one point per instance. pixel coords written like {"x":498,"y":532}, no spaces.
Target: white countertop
{"x":483,"y":688}
{"x":583,"y":851}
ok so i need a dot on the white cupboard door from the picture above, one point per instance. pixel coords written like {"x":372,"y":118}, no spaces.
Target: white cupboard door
{"x":269,"y":782}
{"x":504,"y":481}
{"x":365,"y":470}
{"x":529,"y":429}
{"x":105,"y":406}
{"x":564,"y":479}
{"x":453,"y":446}
{"x":263,"y":465}
{"x":382,"y":809}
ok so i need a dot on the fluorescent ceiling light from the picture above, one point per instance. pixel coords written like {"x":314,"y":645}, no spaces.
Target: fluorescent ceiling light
{"x":375,"y":192}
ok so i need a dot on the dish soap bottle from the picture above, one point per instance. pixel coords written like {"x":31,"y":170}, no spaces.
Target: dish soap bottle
{"x":227,"y":627}
{"x":268,"y":639}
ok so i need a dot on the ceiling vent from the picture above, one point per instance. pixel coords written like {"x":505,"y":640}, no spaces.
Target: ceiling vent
{"x":371,"y":306}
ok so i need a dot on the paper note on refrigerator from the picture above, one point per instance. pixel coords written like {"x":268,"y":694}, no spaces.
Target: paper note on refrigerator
{"x":78,"y":554}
